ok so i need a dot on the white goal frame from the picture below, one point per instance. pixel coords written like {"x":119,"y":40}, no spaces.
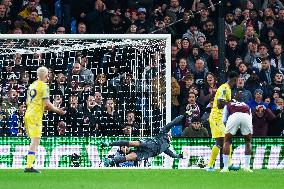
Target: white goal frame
{"x":166,"y":37}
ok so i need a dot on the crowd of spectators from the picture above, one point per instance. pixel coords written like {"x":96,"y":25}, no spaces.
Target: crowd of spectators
{"x":253,"y":48}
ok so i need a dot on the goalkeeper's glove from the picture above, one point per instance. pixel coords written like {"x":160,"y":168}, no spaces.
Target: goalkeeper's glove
{"x":180,"y":156}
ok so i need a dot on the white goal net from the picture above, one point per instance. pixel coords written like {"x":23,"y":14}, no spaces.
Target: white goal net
{"x":136,"y":69}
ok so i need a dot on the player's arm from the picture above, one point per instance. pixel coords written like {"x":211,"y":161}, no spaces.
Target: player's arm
{"x":221,"y":103}
{"x":172,"y":154}
{"x":225,"y":115}
{"x":49,"y":106}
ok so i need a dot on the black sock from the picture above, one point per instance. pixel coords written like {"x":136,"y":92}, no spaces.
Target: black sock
{"x":118,"y":159}
{"x":120,"y":143}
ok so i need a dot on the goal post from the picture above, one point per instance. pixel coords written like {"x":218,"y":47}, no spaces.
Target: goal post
{"x":154,"y":101}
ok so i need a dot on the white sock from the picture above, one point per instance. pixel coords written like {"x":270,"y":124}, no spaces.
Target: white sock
{"x":226,"y":161}
{"x":247,"y":161}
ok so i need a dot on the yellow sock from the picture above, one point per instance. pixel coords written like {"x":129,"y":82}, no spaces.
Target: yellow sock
{"x":30,"y":159}
{"x":230,"y":155}
{"x":214,"y":153}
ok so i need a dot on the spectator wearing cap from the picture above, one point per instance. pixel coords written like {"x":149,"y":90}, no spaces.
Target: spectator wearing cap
{"x":185,"y":48}
{"x":267,"y":71}
{"x":195,"y":129}
{"x":230,"y":23}
{"x":98,"y":18}
{"x":246,"y":94}
{"x":131,"y":15}
{"x":194,"y":55}
{"x":277,"y":58}
{"x":262,"y":117}
{"x":193,"y":33}
{"x":142,"y":23}
{"x":257,"y":100}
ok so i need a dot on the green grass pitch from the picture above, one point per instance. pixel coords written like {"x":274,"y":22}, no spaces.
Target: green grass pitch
{"x":148,"y":179}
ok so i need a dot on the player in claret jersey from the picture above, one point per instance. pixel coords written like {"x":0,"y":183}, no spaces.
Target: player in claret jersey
{"x":237,"y":115}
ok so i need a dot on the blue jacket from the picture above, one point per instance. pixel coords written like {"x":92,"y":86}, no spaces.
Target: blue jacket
{"x":13,"y":123}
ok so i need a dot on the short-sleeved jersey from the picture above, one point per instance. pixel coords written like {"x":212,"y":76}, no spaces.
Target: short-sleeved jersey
{"x":223,"y":92}
{"x":235,"y":106}
{"x":38,"y":91}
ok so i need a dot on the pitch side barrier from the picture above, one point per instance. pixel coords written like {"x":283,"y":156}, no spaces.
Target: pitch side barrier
{"x":85,"y":152}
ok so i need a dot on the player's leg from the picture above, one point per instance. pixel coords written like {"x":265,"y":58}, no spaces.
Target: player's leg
{"x":34,"y":132}
{"x":226,"y":151}
{"x":214,"y":153}
{"x":170,"y":125}
{"x":120,"y":159}
{"x":248,"y":150}
{"x":218,"y":133}
{"x":246,"y":130}
{"x":122,"y":143}
{"x":32,"y":151}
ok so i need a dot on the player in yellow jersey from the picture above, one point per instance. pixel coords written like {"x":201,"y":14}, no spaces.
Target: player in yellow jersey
{"x":222,"y":97}
{"x":37,"y":102}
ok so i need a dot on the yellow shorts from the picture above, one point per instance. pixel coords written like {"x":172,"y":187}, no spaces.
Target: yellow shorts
{"x":217,"y":126}
{"x":33,"y":128}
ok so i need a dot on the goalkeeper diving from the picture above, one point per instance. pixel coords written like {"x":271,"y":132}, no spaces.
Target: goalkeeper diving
{"x":146,"y":148}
